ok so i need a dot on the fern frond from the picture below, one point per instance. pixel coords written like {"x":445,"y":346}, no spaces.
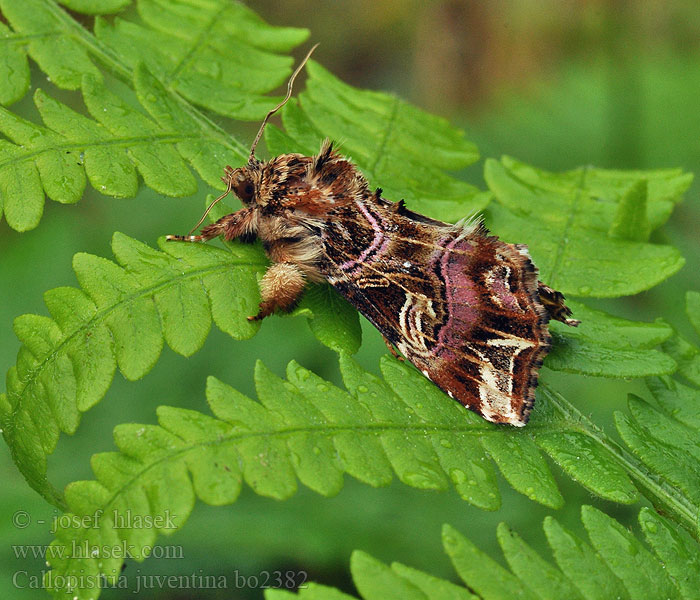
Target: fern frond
{"x":45,"y":32}
{"x":306,"y":430}
{"x":202,"y":50}
{"x":565,"y":436}
{"x":572,"y":223}
{"x":659,"y":432}
{"x":161,"y":469}
{"x":607,"y":346}
{"x":57,"y":158}
{"x":218,"y":55}
{"x":615,"y":564}
{"x":207,"y":68}
{"x":121,"y":317}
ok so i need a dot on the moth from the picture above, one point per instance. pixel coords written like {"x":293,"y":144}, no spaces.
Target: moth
{"x":464,"y":307}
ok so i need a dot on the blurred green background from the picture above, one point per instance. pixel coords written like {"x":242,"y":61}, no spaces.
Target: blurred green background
{"x":613,"y":83}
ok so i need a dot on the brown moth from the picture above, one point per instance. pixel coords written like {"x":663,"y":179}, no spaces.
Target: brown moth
{"x":464,"y":307}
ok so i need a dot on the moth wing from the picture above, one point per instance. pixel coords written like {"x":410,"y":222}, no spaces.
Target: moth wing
{"x":461,"y":305}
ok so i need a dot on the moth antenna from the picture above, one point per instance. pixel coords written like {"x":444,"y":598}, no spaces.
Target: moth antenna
{"x":206,"y":212}
{"x":290,"y":84}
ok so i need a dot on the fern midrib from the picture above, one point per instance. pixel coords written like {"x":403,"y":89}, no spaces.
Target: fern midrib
{"x":81,"y":35}
{"x":388,"y":130}
{"x":105,"y":55}
{"x":321,"y":428}
{"x":194,"y":47}
{"x":100,"y":315}
{"x":665,"y":492}
{"x":20,"y":39}
{"x":169,"y":138}
{"x":564,"y":238}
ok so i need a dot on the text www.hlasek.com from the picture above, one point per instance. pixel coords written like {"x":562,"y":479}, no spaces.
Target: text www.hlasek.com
{"x":87,"y":550}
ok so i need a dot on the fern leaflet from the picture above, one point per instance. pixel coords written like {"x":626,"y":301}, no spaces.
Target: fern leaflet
{"x":123,"y":141}
{"x":614,"y":565}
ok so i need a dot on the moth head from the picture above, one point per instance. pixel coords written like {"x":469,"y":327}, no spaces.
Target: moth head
{"x":259,"y":184}
{"x":246,"y":181}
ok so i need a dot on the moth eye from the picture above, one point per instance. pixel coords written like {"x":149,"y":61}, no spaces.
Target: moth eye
{"x":244,"y":190}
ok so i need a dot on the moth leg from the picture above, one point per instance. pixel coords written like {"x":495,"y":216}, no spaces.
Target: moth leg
{"x":393,"y":351}
{"x":280,"y":288}
{"x":230,"y":226}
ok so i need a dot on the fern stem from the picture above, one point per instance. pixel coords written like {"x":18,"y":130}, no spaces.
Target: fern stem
{"x":658,"y":491}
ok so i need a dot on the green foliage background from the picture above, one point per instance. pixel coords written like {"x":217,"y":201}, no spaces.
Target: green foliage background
{"x":550,"y":127}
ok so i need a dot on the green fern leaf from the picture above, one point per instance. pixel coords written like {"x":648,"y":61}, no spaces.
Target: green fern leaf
{"x":223,"y":60}
{"x":677,"y":552}
{"x":584,"y":459}
{"x":485,"y":576}
{"x":306,"y":430}
{"x":665,"y":188}
{"x":52,"y":39}
{"x":642,"y":573}
{"x":14,"y":67}
{"x":122,"y":316}
{"x":566,"y":224}
{"x":580,"y":563}
{"x":657,"y":433}
{"x":205,"y":148}
{"x":109,"y":151}
{"x":544,"y":579}
{"x":96,"y":7}
{"x":657,"y":436}
{"x":606,"y":346}
{"x":433,"y":587}
{"x":188,"y":45}
{"x":56,"y":159}
{"x":616,"y":565}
